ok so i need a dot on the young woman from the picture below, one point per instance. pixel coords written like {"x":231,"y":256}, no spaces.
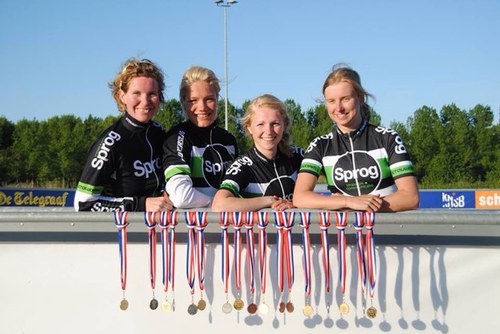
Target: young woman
{"x":367,"y":168}
{"x":197,"y":151}
{"x":263,"y":177}
{"x":123,"y":169}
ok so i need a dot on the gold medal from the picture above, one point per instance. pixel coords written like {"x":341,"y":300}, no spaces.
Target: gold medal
{"x":238,"y":304}
{"x":153,"y":304}
{"x":282,"y":307}
{"x":252,"y":308}
{"x":123,"y":304}
{"x":308,"y":311}
{"x":192,"y":309}
{"x":166,"y":306}
{"x":202,"y":304}
{"x":371,"y":312}
{"x":289,"y":307}
{"x":227,"y":308}
{"x":263,"y":309}
{"x":344,"y":308}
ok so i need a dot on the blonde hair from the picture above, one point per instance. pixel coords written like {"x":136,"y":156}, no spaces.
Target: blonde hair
{"x":197,"y":73}
{"x":270,"y":101}
{"x":133,"y":68}
{"x":343,"y":73}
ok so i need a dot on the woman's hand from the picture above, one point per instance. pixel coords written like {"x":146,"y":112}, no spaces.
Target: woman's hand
{"x":281,"y":204}
{"x":161,"y":203}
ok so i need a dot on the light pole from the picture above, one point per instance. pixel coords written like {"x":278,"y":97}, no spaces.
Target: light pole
{"x":225,"y":4}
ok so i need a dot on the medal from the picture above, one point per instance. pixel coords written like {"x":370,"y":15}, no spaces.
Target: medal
{"x":344,"y":308}
{"x":289,"y":307}
{"x":153,"y":304}
{"x":150,"y":220}
{"x":192,"y":309}
{"x":227,"y":307}
{"x":202,"y":304}
{"x":252,"y":308}
{"x":324,"y":224}
{"x":263,"y":308}
{"x":121,"y":225}
{"x":238,"y":304}
{"x":166,"y":306}
{"x":371,"y":312}
{"x":308,"y":311}
{"x":123,"y":304}
{"x":282,"y":307}
{"x":360,"y":252}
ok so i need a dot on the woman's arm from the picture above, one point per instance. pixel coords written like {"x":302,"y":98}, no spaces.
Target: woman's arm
{"x":225,"y":200}
{"x":405,"y":198}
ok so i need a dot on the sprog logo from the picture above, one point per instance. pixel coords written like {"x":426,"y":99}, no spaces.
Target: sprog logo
{"x":102,"y":155}
{"x":146,"y":168}
{"x":356,"y":173}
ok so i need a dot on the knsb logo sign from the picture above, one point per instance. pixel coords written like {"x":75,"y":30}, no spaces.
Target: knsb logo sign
{"x":488,"y":199}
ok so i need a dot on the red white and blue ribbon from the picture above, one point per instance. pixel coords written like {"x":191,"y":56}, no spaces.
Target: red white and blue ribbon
{"x":201,"y":223}
{"x":370,"y":251}
{"x":150,"y":220}
{"x":360,"y":249}
{"x":305,"y":222}
{"x":250,"y":250}
{"x":284,"y":223}
{"x":121,"y":224}
{"x":237,"y":225}
{"x":224,"y":225}
{"x":262,"y":218}
{"x":190,"y":248}
{"x":341,"y":224}
{"x":168,"y":222}
{"x":324,"y":224}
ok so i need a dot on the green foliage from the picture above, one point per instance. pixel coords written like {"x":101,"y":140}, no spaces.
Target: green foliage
{"x":452,"y":148}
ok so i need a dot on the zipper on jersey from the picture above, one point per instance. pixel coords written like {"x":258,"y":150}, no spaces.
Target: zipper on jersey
{"x":354,"y":164}
{"x":279,"y":180}
{"x":151,"y":157}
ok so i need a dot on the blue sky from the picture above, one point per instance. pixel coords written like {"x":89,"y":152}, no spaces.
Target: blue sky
{"x":57,"y":56}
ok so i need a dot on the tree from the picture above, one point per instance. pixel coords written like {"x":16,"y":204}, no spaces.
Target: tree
{"x":300,"y":132}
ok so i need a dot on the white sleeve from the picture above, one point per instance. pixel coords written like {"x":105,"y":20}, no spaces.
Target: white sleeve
{"x":183,"y":195}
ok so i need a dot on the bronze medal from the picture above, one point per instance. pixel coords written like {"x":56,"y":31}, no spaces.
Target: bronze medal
{"x":192,"y":309}
{"x":202,"y":304}
{"x":282,"y":307}
{"x":153,"y":304}
{"x":166,"y":306}
{"x":123,"y":304}
{"x":227,"y":308}
{"x":252,"y":308}
{"x":289,"y":307}
{"x":238,"y":304}
{"x":308,"y":311}
{"x":344,"y":308}
{"x":263,"y":308}
{"x":371,"y":312}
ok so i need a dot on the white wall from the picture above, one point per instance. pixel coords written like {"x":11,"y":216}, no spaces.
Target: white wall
{"x":75,"y":288}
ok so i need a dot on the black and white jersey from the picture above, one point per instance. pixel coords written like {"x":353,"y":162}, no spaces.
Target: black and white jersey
{"x":123,"y":168}
{"x":365,"y":161}
{"x":254,"y":175}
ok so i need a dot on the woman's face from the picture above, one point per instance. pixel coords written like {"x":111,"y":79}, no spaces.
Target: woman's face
{"x":343,"y":106}
{"x":142,"y":99}
{"x":201,"y":104}
{"x":266,"y":128}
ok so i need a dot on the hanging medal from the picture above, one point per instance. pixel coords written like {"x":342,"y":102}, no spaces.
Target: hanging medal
{"x":252,"y":307}
{"x":305,"y":222}
{"x":224,"y":225}
{"x":237,"y":224}
{"x":190,"y":258}
{"x":284,"y":223}
{"x":201,"y":223}
{"x":168,"y":222}
{"x":371,"y":260}
{"x":360,"y":252}
{"x":150,"y":220}
{"x":262,"y":218}
{"x":324,"y":224}
{"x":341,"y":224}
{"x":121,"y":224}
